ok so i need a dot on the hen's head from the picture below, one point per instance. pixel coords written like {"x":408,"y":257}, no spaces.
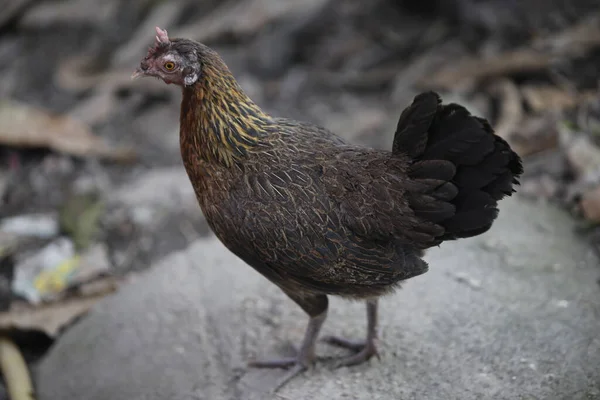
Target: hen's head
{"x":174,"y":61}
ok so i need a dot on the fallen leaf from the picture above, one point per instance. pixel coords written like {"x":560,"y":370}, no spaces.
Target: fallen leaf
{"x":543,"y":98}
{"x":50,"y":318}
{"x":25,"y":126}
{"x":590,"y":205}
{"x":477,"y":69}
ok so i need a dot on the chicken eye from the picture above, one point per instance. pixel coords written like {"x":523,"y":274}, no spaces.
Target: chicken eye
{"x":169,"y":66}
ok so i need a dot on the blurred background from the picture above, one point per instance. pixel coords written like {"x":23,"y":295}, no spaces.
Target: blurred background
{"x":92,"y":189}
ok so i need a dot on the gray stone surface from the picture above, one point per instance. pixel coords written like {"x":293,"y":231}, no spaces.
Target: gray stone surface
{"x":512,"y":314}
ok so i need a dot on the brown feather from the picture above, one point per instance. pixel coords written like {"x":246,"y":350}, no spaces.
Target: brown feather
{"x":316,"y":215}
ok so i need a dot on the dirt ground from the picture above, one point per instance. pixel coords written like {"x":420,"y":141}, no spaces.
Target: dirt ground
{"x":528,"y":66}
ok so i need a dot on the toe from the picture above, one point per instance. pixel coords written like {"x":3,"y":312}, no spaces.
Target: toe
{"x":344,"y":343}
{"x":367,"y":352}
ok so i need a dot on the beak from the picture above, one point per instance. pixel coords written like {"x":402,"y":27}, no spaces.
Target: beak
{"x":137,"y":74}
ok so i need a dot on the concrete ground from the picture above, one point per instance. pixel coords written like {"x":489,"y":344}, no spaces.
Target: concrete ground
{"x":512,"y":314}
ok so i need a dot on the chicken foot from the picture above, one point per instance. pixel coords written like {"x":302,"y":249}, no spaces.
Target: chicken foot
{"x":316,"y":307}
{"x":364,"y":349}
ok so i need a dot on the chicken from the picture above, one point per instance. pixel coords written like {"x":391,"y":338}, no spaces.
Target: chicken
{"x":318,"y":216}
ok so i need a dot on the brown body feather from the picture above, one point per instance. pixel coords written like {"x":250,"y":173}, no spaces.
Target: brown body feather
{"x":317,"y":215}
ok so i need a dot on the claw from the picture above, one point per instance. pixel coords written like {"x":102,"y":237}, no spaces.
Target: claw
{"x":344,"y":343}
{"x":362,"y":356}
{"x":364,"y":350}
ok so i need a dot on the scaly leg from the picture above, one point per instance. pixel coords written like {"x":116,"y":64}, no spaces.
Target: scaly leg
{"x":316,"y":307}
{"x":364,"y":349}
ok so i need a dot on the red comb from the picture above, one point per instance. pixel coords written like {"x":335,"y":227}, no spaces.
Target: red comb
{"x":162,"y":37}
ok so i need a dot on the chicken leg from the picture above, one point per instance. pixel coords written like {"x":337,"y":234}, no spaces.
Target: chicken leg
{"x":316,"y":307}
{"x":364,"y":349}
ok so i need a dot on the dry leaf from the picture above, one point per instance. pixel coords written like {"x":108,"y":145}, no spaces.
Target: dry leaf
{"x":476,"y":69}
{"x":542,"y":98}
{"x":590,"y":205}
{"x":25,"y":126}
{"x":50,"y":318}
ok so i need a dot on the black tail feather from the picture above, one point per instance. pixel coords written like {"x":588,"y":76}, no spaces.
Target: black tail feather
{"x":465,"y":168}
{"x":414,"y":120}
